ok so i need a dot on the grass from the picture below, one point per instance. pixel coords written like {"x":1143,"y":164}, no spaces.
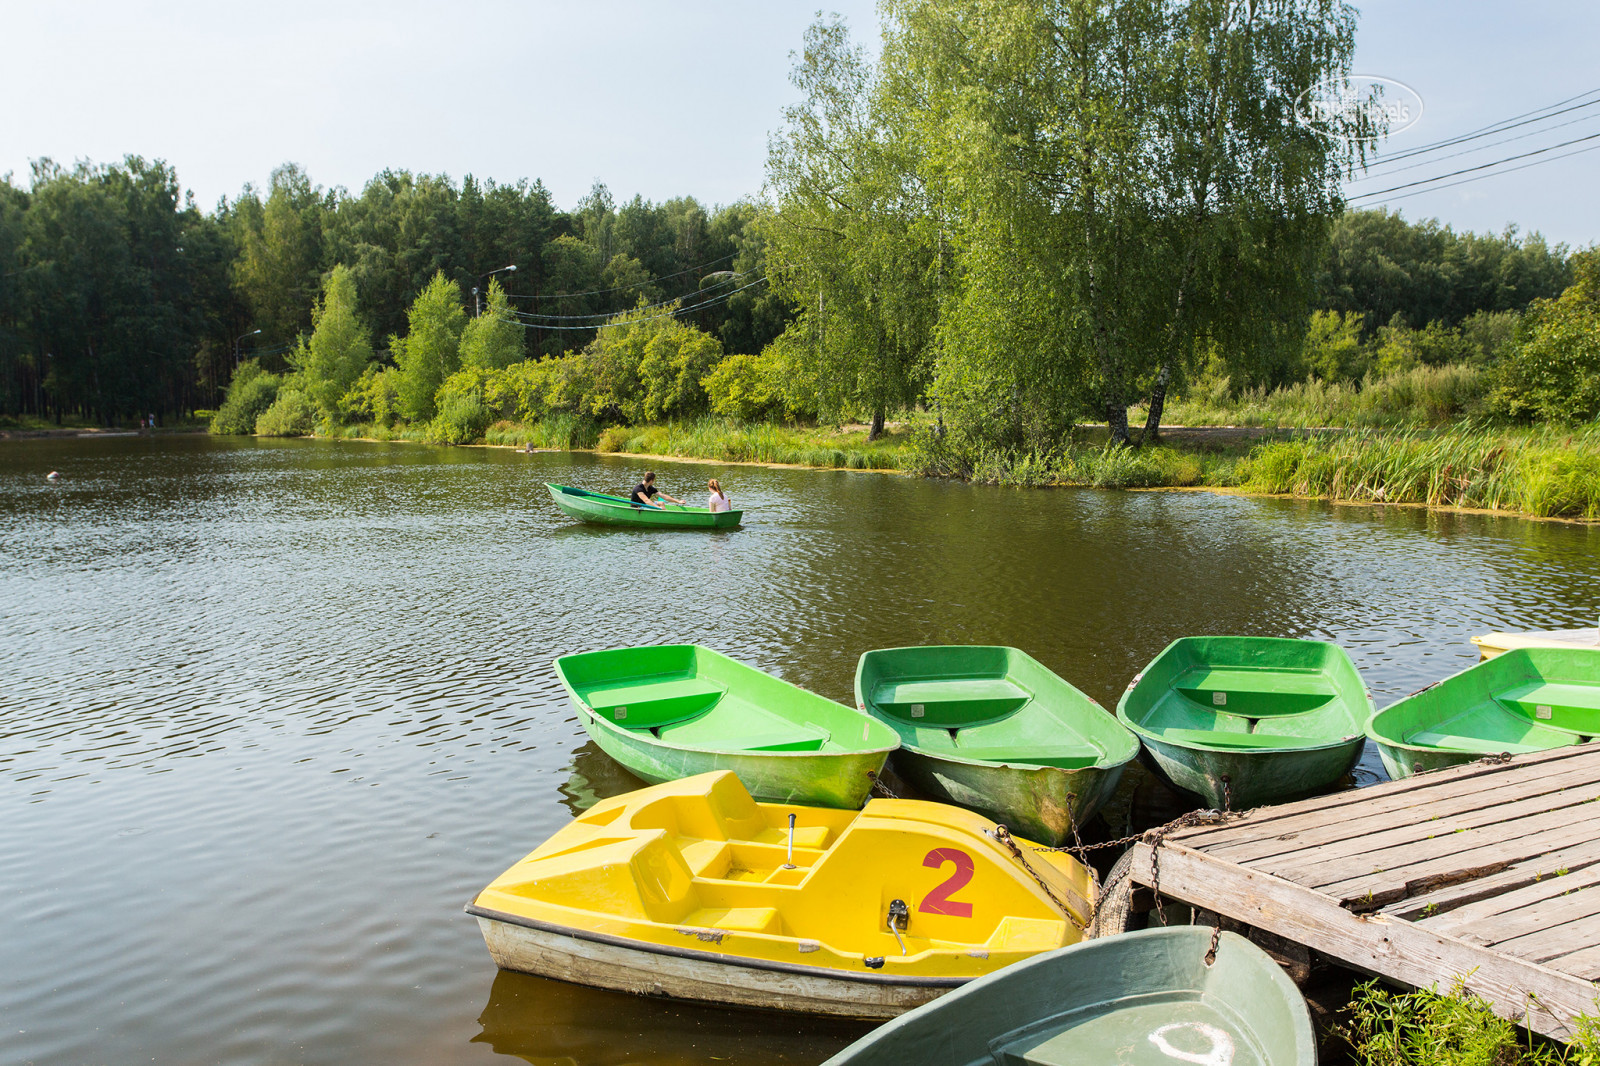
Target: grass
{"x":1424,"y":396}
{"x":1429,"y":1028}
{"x":713,"y":438}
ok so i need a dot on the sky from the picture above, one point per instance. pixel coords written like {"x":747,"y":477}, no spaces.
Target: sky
{"x":672,"y":97}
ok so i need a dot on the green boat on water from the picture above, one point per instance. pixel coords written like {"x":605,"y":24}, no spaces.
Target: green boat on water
{"x":619,"y":511}
{"x":1242,"y":721}
{"x":674,"y":710}
{"x":1527,"y":699}
{"x":1139,"y":999}
{"x":991,"y":729}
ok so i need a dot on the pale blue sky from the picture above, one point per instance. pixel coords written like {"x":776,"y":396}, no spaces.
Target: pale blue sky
{"x":657,"y":98}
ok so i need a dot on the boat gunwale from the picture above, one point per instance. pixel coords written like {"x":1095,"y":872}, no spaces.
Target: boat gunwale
{"x":1106,"y":760}
{"x":695,"y":955}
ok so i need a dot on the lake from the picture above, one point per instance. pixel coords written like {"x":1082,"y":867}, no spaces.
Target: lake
{"x":271,"y":712}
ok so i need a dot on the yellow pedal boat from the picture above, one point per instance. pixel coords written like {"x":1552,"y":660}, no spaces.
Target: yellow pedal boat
{"x":692,"y":889}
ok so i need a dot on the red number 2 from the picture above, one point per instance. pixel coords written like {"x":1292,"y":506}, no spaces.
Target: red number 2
{"x":938,"y":901}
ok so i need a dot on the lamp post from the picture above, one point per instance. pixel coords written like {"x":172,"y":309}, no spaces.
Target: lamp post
{"x":236,"y":342}
{"x":477,"y":305}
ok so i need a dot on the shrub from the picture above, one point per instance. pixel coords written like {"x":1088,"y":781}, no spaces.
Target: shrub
{"x":743,"y":387}
{"x":461,"y":420}
{"x":251,"y":392}
{"x":1553,"y":373}
{"x":292,"y":414}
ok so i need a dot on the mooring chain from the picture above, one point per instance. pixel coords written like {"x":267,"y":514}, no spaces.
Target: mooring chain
{"x":1003,"y":835}
{"x":1216,"y":938}
{"x":879,"y":788}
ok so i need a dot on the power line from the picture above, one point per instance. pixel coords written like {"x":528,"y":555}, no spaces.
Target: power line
{"x":530,"y":315}
{"x":1480,"y":148}
{"x":1481,"y":166}
{"x":1498,"y":126}
{"x":628,"y":322}
{"x":1496,"y":174}
{"x":620,"y":288}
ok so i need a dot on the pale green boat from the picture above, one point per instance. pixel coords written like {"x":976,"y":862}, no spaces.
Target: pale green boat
{"x":1522,"y":700}
{"x":619,"y":511}
{"x":1243,"y":721}
{"x":993,"y":730}
{"x":675,"y":710}
{"x":1139,"y":999}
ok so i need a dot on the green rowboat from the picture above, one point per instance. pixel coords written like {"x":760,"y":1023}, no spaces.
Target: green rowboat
{"x":1526,"y":699}
{"x":993,"y":730}
{"x":1138,"y":999}
{"x":1242,"y":721}
{"x":618,"y":511}
{"x":676,"y":710}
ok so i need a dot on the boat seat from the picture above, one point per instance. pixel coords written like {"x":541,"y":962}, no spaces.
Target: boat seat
{"x":751,"y":730}
{"x":1255,"y":693}
{"x":1064,"y":756}
{"x":1433,"y":738}
{"x":737,"y":919}
{"x":1211,"y":738}
{"x":950,"y":701}
{"x":647,"y":703}
{"x":1556,"y":705}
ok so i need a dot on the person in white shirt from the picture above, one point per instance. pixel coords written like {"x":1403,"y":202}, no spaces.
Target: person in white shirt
{"x":718,"y":500}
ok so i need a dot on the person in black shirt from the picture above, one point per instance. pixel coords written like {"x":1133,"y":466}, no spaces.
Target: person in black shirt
{"x":645,"y":492}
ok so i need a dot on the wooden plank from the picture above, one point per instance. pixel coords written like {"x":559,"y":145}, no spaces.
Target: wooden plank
{"x":1584,"y":963}
{"x":1541,"y":998}
{"x":1505,"y":907}
{"x":1567,"y":931}
{"x":1517,"y":876}
{"x":1370,"y":891}
{"x":1389,"y":796}
{"x":1354,"y":829}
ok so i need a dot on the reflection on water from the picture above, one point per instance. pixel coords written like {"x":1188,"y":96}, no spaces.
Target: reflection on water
{"x":272,"y":712}
{"x":550,"y":1023}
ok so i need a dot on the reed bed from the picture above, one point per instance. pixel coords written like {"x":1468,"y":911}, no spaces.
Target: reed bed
{"x":1423,"y":396}
{"x":712,"y":438}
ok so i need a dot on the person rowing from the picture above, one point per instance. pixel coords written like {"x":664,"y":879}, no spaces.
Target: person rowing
{"x":645,"y":492}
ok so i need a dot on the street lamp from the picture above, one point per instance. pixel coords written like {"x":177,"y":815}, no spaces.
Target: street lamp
{"x":477,"y":305}
{"x":236,"y":342}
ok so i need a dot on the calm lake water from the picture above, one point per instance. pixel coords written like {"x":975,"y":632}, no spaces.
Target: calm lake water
{"x":272,"y":712}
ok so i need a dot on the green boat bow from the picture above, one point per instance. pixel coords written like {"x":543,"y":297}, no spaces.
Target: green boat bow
{"x":993,"y":730}
{"x":1242,"y":721}
{"x":618,"y":511}
{"x":1526,"y":699}
{"x":671,"y":711}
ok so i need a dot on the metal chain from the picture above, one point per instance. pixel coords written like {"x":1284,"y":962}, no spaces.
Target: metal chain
{"x":1003,"y":835}
{"x":1216,"y":938}
{"x":1227,"y":794}
{"x":879,"y":788}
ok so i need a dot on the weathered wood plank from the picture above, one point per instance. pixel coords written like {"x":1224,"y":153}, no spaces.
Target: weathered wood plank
{"x":1528,"y":873}
{"x":1567,"y":931}
{"x":1356,"y":831}
{"x":1584,"y":963}
{"x":1379,"y":887}
{"x":1541,"y":998}
{"x":1505,"y":909}
{"x":1386,"y":797}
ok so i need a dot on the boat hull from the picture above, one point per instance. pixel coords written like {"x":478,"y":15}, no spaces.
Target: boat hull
{"x":1042,"y":803}
{"x":1144,"y":997}
{"x":615,"y":511}
{"x":1492,"y":644}
{"x":1234,"y":780}
{"x":819,"y":779}
{"x":623,"y":966}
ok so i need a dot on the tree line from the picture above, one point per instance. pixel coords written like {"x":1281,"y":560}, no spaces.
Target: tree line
{"x":120,"y":297}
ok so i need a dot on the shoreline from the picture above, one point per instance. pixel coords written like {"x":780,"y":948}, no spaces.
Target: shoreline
{"x":1221,"y":490}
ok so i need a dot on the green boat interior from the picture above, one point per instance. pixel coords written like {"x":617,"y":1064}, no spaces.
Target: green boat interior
{"x":1527,"y":699}
{"x":980,"y":703}
{"x":1249,"y":694}
{"x":692,"y":698}
{"x":1186,"y":1027}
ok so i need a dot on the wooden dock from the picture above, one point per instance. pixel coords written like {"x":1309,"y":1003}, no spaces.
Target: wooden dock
{"x":1488,"y":872}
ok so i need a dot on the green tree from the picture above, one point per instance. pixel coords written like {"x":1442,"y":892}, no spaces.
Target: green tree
{"x":644,"y":366}
{"x":280,"y":252}
{"x":1553,"y":373}
{"x":493,"y":340}
{"x":339,"y":348}
{"x":1333,"y":349}
{"x":431,"y":349}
